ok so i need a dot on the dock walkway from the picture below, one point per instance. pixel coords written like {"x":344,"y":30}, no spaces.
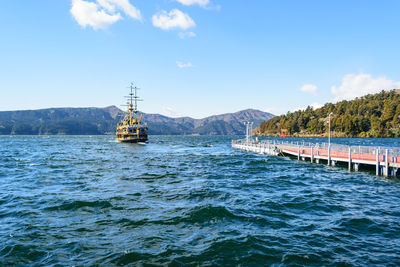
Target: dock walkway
{"x":385,"y":159}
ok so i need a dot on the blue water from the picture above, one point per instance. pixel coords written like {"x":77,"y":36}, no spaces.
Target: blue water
{"x":188,"y":201}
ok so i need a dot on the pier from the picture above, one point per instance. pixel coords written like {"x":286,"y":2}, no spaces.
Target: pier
{"x":385,"y":160}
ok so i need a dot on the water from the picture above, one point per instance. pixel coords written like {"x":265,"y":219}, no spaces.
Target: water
{"x":184,"y":201}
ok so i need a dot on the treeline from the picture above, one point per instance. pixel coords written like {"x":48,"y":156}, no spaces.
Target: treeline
{"x":374,"y":115}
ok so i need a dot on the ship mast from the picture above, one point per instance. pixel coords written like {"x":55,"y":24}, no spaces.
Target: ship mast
{"x":136,"y":104}
{"x":130,"y":107}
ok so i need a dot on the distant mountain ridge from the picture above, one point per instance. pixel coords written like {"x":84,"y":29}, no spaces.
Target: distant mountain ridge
{"x":98,"y":121}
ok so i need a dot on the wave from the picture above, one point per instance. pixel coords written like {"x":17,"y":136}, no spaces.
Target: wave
{"x":208,"y":213}
{"x":79,"y":204}
{"x":360,"y":225}
{"x":22,"y":254}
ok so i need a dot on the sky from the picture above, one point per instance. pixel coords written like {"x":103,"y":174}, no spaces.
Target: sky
{"x":196,"y":57}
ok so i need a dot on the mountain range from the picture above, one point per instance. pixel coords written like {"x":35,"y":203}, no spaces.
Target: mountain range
{"x":99,"y":121}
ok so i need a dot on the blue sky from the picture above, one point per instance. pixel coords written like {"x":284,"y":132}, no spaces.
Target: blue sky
{"x":196,"y":57}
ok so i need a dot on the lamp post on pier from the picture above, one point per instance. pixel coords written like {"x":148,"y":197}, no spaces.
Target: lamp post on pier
{"x":249,"y":129}
{"x":329,"y":131}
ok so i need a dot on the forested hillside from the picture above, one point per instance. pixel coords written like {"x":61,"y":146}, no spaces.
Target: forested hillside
{"x":376,"y":115}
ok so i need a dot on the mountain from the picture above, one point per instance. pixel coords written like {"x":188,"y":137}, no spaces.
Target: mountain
{"x":373,"y":115}
{"x":59,"y":121}
{"x":224,"y":124}
{"x":94,"y":121}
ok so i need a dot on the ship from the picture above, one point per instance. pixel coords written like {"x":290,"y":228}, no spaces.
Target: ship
{"x":130,"y":129}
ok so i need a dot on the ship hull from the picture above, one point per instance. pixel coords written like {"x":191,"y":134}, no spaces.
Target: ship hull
{"x":132,"y":139}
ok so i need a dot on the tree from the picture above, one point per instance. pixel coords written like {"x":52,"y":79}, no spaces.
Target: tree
{"x":376,"y":115}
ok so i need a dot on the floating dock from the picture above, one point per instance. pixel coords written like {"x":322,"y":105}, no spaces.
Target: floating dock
{"x":386,"y":160}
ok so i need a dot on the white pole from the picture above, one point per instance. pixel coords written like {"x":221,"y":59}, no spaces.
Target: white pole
{"x":251,"y":130}
{"x":349,"y":158}
{"x":312,"y":154}
{"x":377,"y":162}
{"x":245,"y":123}
{"x":329,"y":155}
{"x":329,"y":132}
{"x":386,"y":162}
{"x":247,"y":132}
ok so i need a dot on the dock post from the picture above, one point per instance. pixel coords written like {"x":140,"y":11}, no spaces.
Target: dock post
{"x":312,"y":155}
{"x":329,"y":155}
{"x":377,"y":161}
{"x":386,"y":172}
{"x":349,"y":158}
{"x":356,"y":166}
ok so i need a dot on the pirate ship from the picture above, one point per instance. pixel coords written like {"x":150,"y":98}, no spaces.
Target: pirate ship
{"x":130,"y":129}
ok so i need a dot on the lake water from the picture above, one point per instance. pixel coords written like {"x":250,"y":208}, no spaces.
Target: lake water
{"x":188,"y":200}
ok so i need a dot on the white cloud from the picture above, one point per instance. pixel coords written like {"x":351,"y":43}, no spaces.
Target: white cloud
{"x":88,"y":14}
{"x":103,"y":13}
{"x":356,"y":85}
{"x":112,"y":5}
{"x":184,"y":35}
{"x":174,"y":19}
{"x":316,"y":105}
{"x":182,"y":65}
{"x":170,"y":112}
{"x":202,"y":3}
{"x":273,"y":110}
{"x":309,"y":88}
{"x":297,"y":109}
